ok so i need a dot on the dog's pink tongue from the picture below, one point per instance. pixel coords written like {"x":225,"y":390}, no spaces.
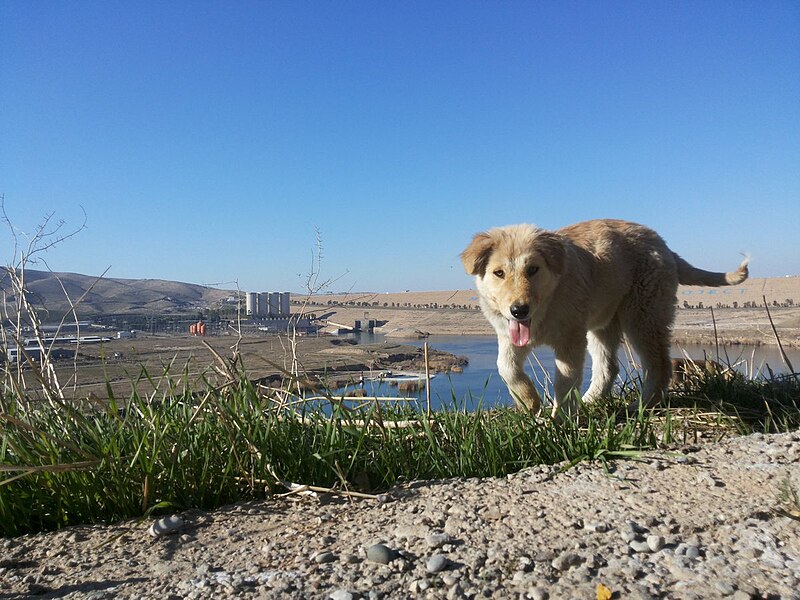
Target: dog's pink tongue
{"x":520,"y":332}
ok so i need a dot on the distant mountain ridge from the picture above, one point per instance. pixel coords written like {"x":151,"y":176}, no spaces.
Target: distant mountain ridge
{"x":110,"y":295}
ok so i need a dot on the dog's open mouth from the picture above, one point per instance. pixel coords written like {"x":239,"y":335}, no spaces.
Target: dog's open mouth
{"x":520,"y":332}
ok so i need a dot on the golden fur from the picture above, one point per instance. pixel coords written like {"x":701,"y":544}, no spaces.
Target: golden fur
{"x":584,"y":285}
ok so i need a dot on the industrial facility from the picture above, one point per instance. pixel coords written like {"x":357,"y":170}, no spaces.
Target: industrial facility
{"x":268,"y":304}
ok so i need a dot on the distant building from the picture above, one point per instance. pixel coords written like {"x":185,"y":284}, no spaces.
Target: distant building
{"x":251,"y":304}
{"x":268,"y":304}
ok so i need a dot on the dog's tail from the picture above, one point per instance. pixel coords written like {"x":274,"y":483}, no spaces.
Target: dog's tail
{"x":689,"y":275}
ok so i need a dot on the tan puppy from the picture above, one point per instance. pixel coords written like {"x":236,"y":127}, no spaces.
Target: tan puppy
{"x":604,"y":278}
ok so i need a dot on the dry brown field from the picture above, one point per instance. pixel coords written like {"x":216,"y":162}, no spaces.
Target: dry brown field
{"x":159,"y":363}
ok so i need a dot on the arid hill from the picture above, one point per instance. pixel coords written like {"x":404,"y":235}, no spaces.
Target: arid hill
{"x":109,"y":295}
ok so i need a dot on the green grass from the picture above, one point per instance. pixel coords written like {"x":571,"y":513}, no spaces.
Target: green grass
{"x":64,"y":463}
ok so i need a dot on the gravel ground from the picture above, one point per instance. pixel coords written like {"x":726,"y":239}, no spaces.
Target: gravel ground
{"x":698,"y":522}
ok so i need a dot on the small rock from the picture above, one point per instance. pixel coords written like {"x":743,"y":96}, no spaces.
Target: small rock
{"x":341,"y":595}
{"x":380,"y":553}
{"x":419,"y":585}
{"x":635,"y":527}
{"x":437,"y":563}
{"x":492,"y":513}
{"x":455,"y":593}
{"x":692,"y":551}
{"x":537,"y":593}
{"x":565,"y":560}
{"x":437,"y":540}
{"x":725,"y":588}
{"x":449,"y":580}
{"x":524,"y":564}
{"x":597,"y":527}
{"x":630,"y":536}
{"x":655,"y":542}
{"x":324,"y":558}
{"x":638,"y":546}
{"x":166,"y":526}
{"x":350,"y":559}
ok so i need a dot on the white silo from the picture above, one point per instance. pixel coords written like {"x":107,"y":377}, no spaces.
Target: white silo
{"x":274,"y":304}
{"x":263,"y":302}
{"x":284,"y":304}
{"x":251,"y":303}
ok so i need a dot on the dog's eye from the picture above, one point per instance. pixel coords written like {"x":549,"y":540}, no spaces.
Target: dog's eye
{"x":531,"y":271}
{"x":499,"y":273}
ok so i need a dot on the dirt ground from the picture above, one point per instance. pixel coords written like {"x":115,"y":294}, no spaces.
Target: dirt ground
{"x":697,"y":522}
{"x":172,"y":361}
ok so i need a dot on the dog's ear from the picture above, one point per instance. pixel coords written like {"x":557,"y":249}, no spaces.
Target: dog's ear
{"x":551,"y":246}
{"x":475,"y":257}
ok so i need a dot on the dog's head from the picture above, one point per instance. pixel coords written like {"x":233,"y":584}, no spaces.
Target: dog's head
{"x":516,"y":270}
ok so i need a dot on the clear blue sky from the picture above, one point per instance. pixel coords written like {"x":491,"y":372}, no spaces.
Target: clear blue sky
{"x":208,"y":141}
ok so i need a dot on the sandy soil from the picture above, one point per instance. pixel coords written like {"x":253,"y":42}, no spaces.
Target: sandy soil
{"x":187,"y":359}
{"x":697,"y":522}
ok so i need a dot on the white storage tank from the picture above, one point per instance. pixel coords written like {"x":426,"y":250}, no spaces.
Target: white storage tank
{"x":263,"y":303}
{"x":284,"y":304}
{"x":274,"y":304}
{"x":251,"y":303}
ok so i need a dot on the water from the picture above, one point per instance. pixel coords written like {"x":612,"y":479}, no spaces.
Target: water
{"x":481,"y":382}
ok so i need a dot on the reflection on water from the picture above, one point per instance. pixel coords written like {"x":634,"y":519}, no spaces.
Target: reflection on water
{"x":480,"y":382}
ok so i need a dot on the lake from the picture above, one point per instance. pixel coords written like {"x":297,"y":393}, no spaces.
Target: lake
{"x":480,"y":379}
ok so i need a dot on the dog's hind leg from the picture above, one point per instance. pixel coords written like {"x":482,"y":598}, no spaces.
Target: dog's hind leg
{"x":652,"y":344}
{"x":603,"y":346}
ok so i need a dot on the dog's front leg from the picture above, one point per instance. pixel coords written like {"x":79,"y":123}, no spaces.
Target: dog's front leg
{"x":511,"y":366}
{"x":569,"y":376}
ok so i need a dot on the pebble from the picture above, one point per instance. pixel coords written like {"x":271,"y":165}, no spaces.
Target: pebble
{"x":350,"y":559}
{"x":725,"y":588}
{"x":380,"y":553}
{"x":655,"y":542}
{"x":639,"y":546}
{"x":565,"y":560}
{"x":166,"y":525}
{"x":538,"y":593}
{"x":449,"y":580}
{"x":324,"y":558}
{"x":342,"y":595}
{"x":692,"y":551}
{"x":437,"y":563}
{"x":437,"y":540}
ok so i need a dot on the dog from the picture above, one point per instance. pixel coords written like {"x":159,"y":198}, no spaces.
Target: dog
{"x":585,"y":285}
{"x":686,"y":371}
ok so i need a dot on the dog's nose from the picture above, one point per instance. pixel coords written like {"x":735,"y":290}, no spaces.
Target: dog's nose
{"x":519,"y":311}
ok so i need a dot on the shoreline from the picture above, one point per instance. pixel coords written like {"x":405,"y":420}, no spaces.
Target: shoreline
{"x":726,"y":327}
